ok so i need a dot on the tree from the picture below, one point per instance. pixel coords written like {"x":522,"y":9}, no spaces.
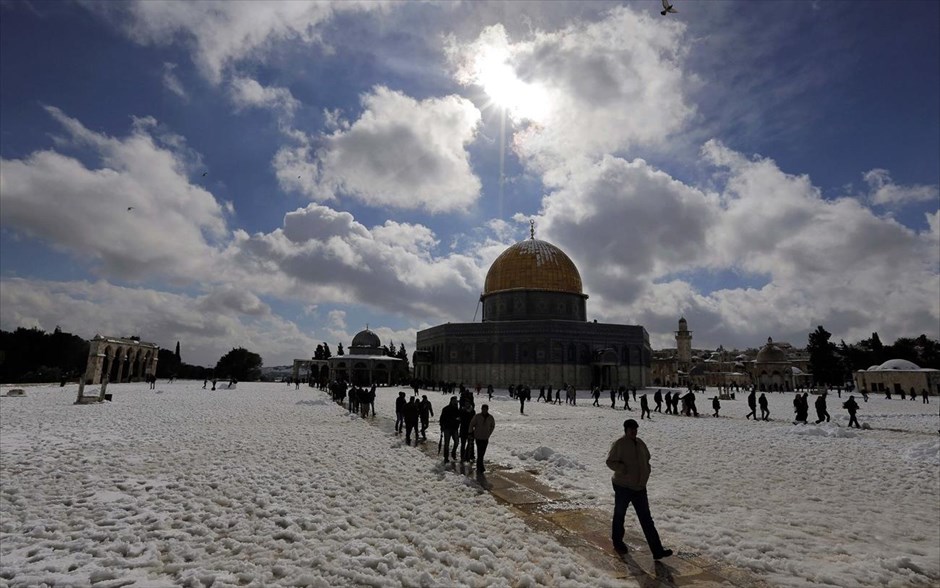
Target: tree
{"x":239,"y":363}
{"x":318,"y":354}
{"x":326,"y":351}
{"x":177,"y":354}
{"x":823,"y":361}
{"x":403,"y":356}
{"x":339,"y":349}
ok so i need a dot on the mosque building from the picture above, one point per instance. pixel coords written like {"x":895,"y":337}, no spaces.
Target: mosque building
{"x":534,"y":331}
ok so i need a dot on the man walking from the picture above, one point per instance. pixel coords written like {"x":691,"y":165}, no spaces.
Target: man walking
{"x":481,"y":427}
{"x":658,"y":399}
{"x":450,"y":426}
{"x":752,"y":404}
{"x":426,"y":411}
{"x":822,"y":412}
{"x":629,"y":459}
{"x":400,"y":412}
{"x":644,"y":407}
{"x":411,"y":420}
{"x":852,"y":406}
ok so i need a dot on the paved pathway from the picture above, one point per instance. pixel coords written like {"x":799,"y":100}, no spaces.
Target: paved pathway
{"x":587,"y":531}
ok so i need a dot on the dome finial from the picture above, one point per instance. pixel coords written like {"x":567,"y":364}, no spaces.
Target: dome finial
{"x":532,"y":228}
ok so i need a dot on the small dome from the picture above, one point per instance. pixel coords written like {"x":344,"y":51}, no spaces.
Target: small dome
{"x":366,"y":338}
{"x":796,"y":371}
{"x":873,"y":368}
{"x":901,"y":365}
{"x":770,"y":353}
{"x":533,"y":265}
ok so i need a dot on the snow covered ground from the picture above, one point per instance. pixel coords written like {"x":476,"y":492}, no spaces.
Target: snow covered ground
{"x":268,"y":485}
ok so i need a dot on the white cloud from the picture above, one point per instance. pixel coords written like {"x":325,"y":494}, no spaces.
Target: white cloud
{"x":642,"y":240}
{"x":171,"y":82}
{"x":207,"y":326}
{"x":220,"y":33}
{"x":402,"y":153}
{"x":248,"y":93}
{"x":326,"y":255}
{"x":137,"y":214}
{"x":608,"y":85}
{"x":883,"y":191}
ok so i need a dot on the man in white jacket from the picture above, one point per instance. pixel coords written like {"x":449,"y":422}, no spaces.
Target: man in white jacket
{"x":481,"y":427}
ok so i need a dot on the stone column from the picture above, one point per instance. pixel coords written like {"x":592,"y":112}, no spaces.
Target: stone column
{"x":122,"y":359}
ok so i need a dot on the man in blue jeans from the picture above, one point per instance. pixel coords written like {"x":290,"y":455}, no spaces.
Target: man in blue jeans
{"x":630,"y":460}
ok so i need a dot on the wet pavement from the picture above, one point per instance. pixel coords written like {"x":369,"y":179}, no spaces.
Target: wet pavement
{"x":587,"y":531}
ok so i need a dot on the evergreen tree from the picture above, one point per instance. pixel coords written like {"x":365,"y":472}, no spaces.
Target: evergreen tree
{"x":339,"y":349}
{"x":177,"y":354}
{"x":326,"y":351}
{"x":823,"y":360}
{"x":239,"y":363}
{"x":318,"y":354}
{"x":403,"y":355}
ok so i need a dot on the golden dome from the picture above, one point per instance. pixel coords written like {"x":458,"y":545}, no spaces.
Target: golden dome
{"x":533,"y":265}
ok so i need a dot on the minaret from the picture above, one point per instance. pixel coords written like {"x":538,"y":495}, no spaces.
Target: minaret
{"x":684,"y":341}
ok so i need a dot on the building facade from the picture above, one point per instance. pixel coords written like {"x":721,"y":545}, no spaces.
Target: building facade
{"x":365,"y":364}
{"x":534,"y":331}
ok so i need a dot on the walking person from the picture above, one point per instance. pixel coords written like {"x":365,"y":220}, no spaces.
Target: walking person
{"x":541,"y":393}
{"x":644,"y":407}
{"x":716,"y":405}
{"x":923,"y":394}
{"x":489,"y":391}
{"x":466,"y":444}
{"x":752,"y":404}
{"x":668,"y":400}
{"x":411,"y":420}
{"x":852,"y":406}
{"x":613,"y":398}
{"x":764,"y":411}
{"x":629,"y":458}
{"x":450,"y":426}
{"x":400,"y":412}
{"x":658,"y":399}
{"x":523,"y":394}
{"x":481,"y":427}
{"x":596,"y":393}
{"x":822,"y":414}
{"x":425,"y":411}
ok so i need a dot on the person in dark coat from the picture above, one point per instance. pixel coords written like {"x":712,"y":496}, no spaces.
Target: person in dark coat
{"x":613,"y":398}
{"x":675,"y":403}
{"x":400,"y":403}
{"x":450,"y":428}
{"x":596,"y":394}
{"x":822,"y":414}
{"x":764,"y":411}
{"x":425,"y":411}
{"x":411,"y":420}
{"x":644,"y":407}
{"x":524,"y":394}
{"x":658,"y":399}
{"x":852,"y":406}
{"x":716,"y":404}
{"x":752,"y":404}
{"x":489,"y":391}
{"x":801,"y":408}
{"x":688,"y":402}
{"x":924,"y":396}
{"x":466,"y":443}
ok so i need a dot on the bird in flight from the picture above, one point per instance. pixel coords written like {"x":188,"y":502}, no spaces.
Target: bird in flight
{"x":205,"y":173}
{"x":130,"y":208}
{"x":667,"y":7}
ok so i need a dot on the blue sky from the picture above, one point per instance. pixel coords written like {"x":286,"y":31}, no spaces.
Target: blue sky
{"x":758,"y":167}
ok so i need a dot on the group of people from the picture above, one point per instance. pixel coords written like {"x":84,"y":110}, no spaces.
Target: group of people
{"x":407,"y":415}
{"x":468,"y":430}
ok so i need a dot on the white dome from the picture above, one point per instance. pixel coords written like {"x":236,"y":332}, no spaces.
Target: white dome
{"x":796,"y":371}
{"x":901,"y":365}
{"x":872,"y":368}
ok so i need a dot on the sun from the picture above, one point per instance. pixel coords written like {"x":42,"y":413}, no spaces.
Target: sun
{"x":519,"y":99}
